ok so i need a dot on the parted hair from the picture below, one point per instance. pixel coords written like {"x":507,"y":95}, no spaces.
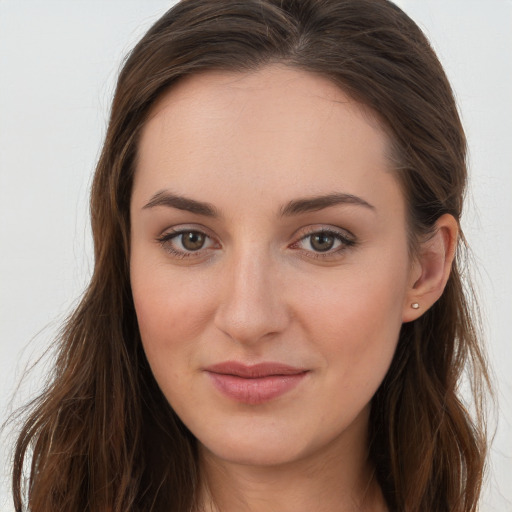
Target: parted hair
{"x":102,"y":437}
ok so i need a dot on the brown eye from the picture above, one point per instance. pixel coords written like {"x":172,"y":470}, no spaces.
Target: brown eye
{"x":187,"y":243}
{"x":192,"y":240}
{"x":325,"y":243}
{"x":322,"y":242}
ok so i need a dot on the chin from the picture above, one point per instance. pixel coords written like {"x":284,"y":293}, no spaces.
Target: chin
{"x":257,"y":444}
{"x":254,"y":454}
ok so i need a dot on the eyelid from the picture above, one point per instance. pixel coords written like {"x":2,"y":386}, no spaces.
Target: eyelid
{"x":324,"y":228}
{"x":169,"y":234}
{"x":184,"y":228}
{"x":346,"y":238}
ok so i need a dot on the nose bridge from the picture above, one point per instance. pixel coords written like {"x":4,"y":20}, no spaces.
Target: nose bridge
{"x":251,"y":304}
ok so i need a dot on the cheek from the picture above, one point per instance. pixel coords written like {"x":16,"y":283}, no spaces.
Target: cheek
{"x":171,"y":312}
{"x":366,"y":300}
{"x":355,"y":324}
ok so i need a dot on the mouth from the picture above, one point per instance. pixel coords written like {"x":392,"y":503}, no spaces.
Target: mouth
{"x":254,"y":384}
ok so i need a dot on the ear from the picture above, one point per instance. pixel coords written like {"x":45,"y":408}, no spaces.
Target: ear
{"x":431,"y":268}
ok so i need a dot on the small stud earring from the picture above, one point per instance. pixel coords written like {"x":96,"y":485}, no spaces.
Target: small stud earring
{"x":415,"y":305}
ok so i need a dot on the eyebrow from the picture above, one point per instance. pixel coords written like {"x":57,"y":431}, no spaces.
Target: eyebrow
{"x":294,"y":207}
{"x":166,"y":198}
{"x":315,"y":203}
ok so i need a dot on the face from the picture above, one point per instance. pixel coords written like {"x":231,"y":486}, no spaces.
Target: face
{"x":269,"y":261}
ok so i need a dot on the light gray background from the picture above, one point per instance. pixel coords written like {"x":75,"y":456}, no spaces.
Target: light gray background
{"x":58,"y":62}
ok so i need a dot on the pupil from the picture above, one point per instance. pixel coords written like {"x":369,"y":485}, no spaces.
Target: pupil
{"x":322,"y":242}
{"x":192,"y":241}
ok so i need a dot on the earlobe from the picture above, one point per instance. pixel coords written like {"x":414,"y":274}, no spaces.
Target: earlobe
{"x":431,"y":270}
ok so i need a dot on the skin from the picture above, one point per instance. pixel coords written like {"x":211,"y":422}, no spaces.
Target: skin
{"x":258,"y":290}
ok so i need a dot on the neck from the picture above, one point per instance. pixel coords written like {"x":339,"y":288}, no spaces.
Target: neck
{"x":338,"y":478}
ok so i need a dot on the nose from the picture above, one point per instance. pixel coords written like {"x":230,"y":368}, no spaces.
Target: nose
{"x":251,"y":304}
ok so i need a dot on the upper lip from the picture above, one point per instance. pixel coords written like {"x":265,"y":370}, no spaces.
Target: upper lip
{"x":254,"y":371}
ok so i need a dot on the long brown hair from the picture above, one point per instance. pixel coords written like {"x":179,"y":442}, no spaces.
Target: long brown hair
{"x":102,"y":437}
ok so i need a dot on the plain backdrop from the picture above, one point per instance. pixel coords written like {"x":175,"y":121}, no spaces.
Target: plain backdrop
{"x":58,"y":63}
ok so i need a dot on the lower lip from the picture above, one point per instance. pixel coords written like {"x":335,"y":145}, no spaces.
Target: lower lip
{"x":255,"y":390}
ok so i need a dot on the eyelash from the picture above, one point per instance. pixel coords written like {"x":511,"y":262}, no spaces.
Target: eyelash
{"x":169,"y":236}
{"x":346,"y":241}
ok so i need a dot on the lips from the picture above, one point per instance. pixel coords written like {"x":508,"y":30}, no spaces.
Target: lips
{"x":254,"y":384}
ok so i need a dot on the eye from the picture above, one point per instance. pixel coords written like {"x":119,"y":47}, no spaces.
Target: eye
{"x":184,"y":243}
{"x":324,"y":242}
{"x":192,"y":240}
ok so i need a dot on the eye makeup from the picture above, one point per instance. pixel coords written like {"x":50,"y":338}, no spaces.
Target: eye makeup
{"x":317,"y":242}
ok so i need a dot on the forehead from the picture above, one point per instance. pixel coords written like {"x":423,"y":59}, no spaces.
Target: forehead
{"x":306,"y":100}
{"x":277,"y":132}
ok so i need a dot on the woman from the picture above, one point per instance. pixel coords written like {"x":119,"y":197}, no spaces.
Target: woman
{"x":276,"y":318}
